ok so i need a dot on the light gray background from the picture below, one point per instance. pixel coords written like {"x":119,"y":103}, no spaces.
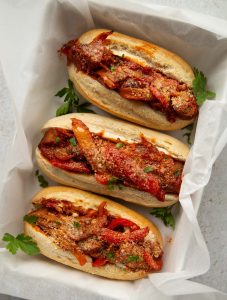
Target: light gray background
{"x":213,"y":210}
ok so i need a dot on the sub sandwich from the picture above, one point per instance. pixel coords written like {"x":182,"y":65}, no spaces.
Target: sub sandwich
{"x":132,"y":79}
{"x":112,"y":157}
{"x":93,"y":234}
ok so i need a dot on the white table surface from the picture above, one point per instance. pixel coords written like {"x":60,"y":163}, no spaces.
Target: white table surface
{"x":213,"y":210}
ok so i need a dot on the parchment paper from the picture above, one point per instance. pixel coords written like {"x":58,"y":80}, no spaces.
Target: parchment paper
{"x":32,"y":32}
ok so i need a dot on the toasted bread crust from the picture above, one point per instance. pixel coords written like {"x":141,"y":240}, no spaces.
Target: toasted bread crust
{"x":114,"y":128}
{"x":146,"y":54}
{"x":87,"y":200}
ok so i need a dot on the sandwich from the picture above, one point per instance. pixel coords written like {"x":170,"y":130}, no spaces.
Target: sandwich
{"x":93,"y":234}
{"x":112,"y":157}
{"x":132,"y":79}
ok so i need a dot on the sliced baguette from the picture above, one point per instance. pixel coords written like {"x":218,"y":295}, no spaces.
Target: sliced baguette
{"x":112,"y":129}
{"x":146,"y":54}
{"x":87,"y":200}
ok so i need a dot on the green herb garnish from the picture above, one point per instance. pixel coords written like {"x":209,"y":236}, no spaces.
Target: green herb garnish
{"x":82,"y":108}
{"x":72,"y":141}
{"x":57,"y":140}
{"x":57,"y":223}
{"x":123,"y":55}
{"x":112,"y":68}
{"x":148,"y":169}
{"x":110,"y":256}
{"x":132,"y":258}
{"x":22,"y":242}
{"x":119,"y":145}
{"x":114,"y":182}
{"x":188,"y":134}
{"x":165,"y":214}
{"x":189,"y":127}
{"x":30,"y":219}
{"x":177,"y":173}
{"x":71,"y":101}
{"x":41,"y":179}
{"x":199,"y":88}
{"x":76,"y":224}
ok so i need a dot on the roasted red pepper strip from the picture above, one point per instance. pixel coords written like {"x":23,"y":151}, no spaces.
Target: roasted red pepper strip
{"x":91,"y":213}
{"x":101,"y":209}
{"x":105,"y":158}
{"x":72,"y":166}
{"x":136,"y":94}
{"x":80,"y":257}
{"x":123,"y":222}
{"x":99,"y":262}
{"x":114,"y":237}
{"x":155,"y":264}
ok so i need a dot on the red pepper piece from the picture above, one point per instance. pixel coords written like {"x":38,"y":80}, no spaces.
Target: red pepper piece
{"x":101,"y":209}
{"x":123,"y":222}
{"x":91,"y":213}
{"x":71,"y":166}
{"x":80,"y":257}
{"x":99,"y":262}
{"x":155,"y":264}
{"x":114,"y":237}
{"x":50,"y":137}
{"x":137,"y":94}
{"x":103,"y":178}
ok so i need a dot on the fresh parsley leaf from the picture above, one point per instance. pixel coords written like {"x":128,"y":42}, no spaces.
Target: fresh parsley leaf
{"x":112,"y":69}
{"x":119,"y":145}
{"x":71,"y":101}
{"x":27,"y":245}
{"x":72,"y":141}
{"x":170,"y":221}
{"x":188,"y":134}
{"x":165,"y":214}
{"x":76,"y":224}
{"x":12,"y":245}
{"x":42,"y":181}
{"x":114,"y":182}
{"x":63,"y":109}
{"x":82,"y":108}
{"x":22,"y":242}
{"x":110,"y":256}
{"x":177,"y":173}
{"x":57,"y":223}
{"x":199,"y":88}
{"x":70,"y":84}
{"x":57,"y":140}
{"x":30,"y":219}
{"x":62,"y":92}
{"x":189,"y":127}
{"x":148,"y":169}
{"x":210,"y":95}
{"x":132,"y":258}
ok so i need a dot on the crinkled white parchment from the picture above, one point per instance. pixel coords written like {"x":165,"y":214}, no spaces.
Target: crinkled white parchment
{"x":32,"y":32}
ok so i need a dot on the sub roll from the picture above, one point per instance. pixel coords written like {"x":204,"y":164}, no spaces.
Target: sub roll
{"x":112,"y":157}
{"x":94,"y":235}
{"x":132,"y":79}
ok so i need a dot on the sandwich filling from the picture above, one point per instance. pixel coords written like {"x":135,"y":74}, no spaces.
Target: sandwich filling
{"x":98,"y":237}
{"x":139,"y":165}
{"x":131,"y":80}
